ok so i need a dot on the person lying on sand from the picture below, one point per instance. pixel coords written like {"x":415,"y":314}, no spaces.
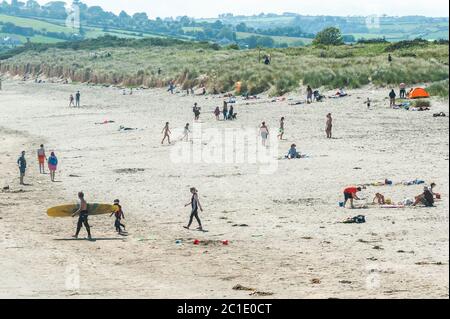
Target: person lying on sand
{"x":379,"y":199}
{"x":195,"y":205}
{"x":118,"y":213}
{"x":82,"y":213}
{"x":426,"y":198}
{"x":166,"y":131}
{"x":350,"y":194}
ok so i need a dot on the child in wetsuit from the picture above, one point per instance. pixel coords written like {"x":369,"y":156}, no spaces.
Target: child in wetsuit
{"x":119,"y":215}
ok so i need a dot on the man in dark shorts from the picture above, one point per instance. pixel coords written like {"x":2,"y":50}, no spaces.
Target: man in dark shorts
{"x":350,"y":194}
{"x":83,"y":216}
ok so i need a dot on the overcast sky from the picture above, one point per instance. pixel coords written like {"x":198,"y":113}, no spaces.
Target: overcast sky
{"x":212,"y":8}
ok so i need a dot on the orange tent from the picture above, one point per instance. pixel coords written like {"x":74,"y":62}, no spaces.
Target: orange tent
{"x":418,"y":93}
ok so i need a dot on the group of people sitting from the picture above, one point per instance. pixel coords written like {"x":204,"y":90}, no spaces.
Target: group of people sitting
{"x":426,"y":198}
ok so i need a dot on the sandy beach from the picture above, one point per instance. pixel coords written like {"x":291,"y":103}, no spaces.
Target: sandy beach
{"x":286,"y":239}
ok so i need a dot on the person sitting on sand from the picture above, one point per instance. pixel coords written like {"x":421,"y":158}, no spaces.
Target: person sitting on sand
{"x":82,"y":213}
{"x":350,"y":194}
{"x":379,"y":199}
{"x":22,"y":163}
{"x":292,"y":153}
{"x":281,"y":129}
{"x":118,"y":213}
{"x":166,"y":131}
{"x":195,"y":205}
{"x":52,"y":165}
{"x":41,"y":159}
{"x":329,"y":126}
{"x":392,"y":97}
{"x":426,"y":198}
{"x":264,"y":131}
{"x":71,"y":100}
{"x":217,"y":113}
{"x":341,"y":93}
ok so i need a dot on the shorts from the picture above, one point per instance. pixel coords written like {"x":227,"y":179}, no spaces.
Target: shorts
{"x":348,"y":196}
{"x":22,"y":171}
{"x":264,"y":136}
{"x":41,"y":159}
{"x":52,"y":167}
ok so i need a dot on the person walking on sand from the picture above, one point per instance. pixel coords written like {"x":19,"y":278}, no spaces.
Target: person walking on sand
{"x":225,"y":110}
{"x":195,"y":205}
{"x":41,"y":159}
{"x":281,"y":129}
{"x":329,"y":126}
{"x":186,"y":133}
{"x":196,"y":111}
{"x":71,"y":100}
{"x":392,"y":97}
{"x":82,"y":213}
{"x":77,"y":99}
{"x":118,"y":213}
{"x":217,"y":113}
{"x":309,"y":95}
{"x":350,"y":194}
{"x":52,"y":165}
{"x":166,"y":131}
{"x":22,"y":163}
{"x":264,"y":131}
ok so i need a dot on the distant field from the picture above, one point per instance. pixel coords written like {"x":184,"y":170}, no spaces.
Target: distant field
{"x":35,"y":24}
{"x":35,"y":39}
{"x":278,"y":39}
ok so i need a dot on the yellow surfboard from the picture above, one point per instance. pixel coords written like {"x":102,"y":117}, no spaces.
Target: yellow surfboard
{"x":68,"y":210}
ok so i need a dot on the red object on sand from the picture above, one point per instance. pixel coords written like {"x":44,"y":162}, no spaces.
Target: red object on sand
{"x":225,"y":242}
{"x":196,"y":242}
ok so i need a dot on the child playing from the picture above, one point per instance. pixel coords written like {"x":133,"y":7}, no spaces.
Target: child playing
{"x":166,"y":131}
{"x":119,"y":215}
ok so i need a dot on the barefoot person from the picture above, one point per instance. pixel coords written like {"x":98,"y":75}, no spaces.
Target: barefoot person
{"x":281,"y":129}
{"x":217,"y":113}
{"x":186,"y":133}
{"x":195,"y":205}
{"x":166,"y":131}
{"x":379,"y":199}
{"x":329,"y":125}
{"x":77,"y":99}
{"x":22,"y":163}
{"x":350,"y":194}
{"x":118,"y":213}
{"x":41,"y":159}
{"x":264,"y":131}
{"x":71,"y":100}
{"x":82,"y":213}
{"x":52,"y":165}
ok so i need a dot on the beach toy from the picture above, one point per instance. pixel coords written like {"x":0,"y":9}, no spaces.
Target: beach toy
{"x":225,"y":242}
{"x":178,"y":242}
{"x":196,"y":242}
{"x":438,"y":196}
{"x":341,"y":204}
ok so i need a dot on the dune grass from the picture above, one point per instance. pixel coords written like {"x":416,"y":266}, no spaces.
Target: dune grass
{"x":193,"y":65}
{"x":439,"y":89}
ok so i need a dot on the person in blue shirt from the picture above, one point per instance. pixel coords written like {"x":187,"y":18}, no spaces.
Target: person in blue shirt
{"x":292,"y":153}
{"x":22,"y":163}
{"x":52,"y":165}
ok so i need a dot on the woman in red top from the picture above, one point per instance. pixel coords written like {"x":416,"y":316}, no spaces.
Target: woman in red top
{"x":350,"y":194}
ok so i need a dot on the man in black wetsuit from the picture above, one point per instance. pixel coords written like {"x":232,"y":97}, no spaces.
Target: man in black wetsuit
{"x":83,"y":216}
